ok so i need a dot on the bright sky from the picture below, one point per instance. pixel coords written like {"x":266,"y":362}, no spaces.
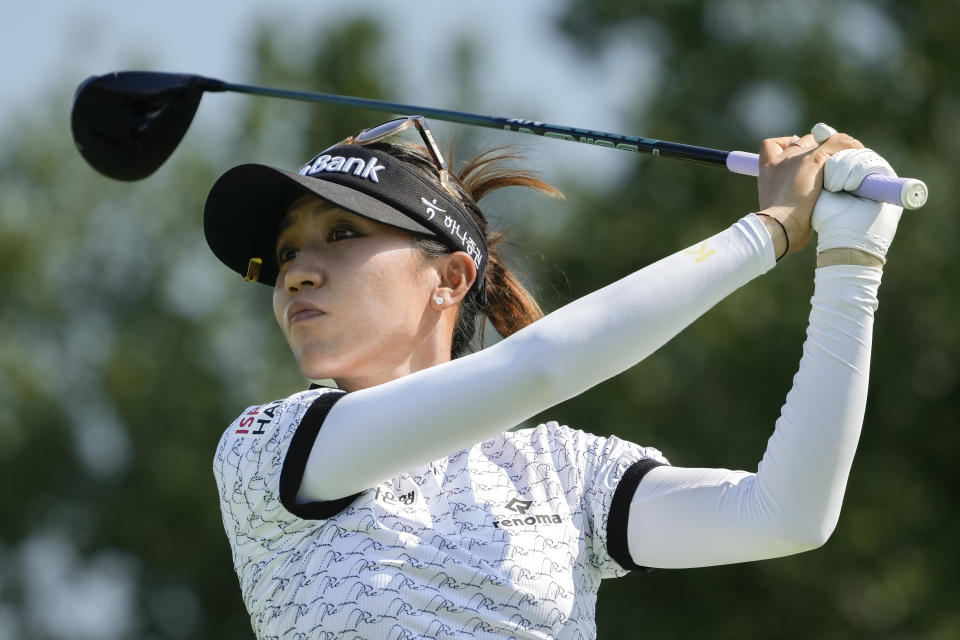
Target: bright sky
{"x":524,"y":70}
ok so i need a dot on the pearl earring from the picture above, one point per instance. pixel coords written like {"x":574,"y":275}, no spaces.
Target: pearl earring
{"x":438,"y":300}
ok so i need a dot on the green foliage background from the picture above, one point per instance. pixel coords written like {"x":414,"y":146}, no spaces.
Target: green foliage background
{"x":127,"y":349}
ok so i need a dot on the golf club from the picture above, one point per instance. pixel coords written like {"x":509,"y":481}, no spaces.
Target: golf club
{"x":127,"y":123}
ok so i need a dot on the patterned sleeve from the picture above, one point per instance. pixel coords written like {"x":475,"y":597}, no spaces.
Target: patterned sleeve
{"x":612,"y":470}
{"x":259,"y":464}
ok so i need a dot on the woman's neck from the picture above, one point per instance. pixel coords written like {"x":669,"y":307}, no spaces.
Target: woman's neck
{"x":381,"y":373}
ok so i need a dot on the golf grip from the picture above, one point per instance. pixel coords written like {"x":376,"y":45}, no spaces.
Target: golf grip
{"x":908,"y":193}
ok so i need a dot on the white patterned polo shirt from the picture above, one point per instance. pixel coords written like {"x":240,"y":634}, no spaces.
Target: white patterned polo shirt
{"x":506,"y":539}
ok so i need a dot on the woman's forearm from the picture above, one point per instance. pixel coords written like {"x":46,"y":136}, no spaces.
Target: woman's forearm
{"x":375,"y":433}
{"x":698,"y":517}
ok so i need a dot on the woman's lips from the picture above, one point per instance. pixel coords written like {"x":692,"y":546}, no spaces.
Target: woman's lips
{"x":302,"y":311}
{"x":303,"y":316}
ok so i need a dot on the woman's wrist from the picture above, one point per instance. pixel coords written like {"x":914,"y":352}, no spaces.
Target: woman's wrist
{"x":826,"y":258}
{"x":778,"y":233}
{"x":844,"y":255}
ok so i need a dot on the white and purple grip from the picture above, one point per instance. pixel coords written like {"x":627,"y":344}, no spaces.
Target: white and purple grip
{"x":908,"y":193}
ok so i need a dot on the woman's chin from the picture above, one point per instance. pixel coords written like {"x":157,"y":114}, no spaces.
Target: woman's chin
{"x":314,"y":365}
{"x":315,"y":371}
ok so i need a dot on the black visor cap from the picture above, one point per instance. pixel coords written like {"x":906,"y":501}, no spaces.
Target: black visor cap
{"x":245,"y":206}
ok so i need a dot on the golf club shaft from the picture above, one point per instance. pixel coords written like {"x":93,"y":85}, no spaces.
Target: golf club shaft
{"x":906,"y":192}
{"x":600,"y":138}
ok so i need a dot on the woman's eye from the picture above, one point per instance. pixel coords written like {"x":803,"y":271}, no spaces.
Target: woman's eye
{"x":286,"y":254}
{"x":341,"y":232}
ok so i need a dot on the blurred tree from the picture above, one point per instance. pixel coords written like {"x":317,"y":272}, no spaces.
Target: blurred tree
{"x":731,"y":71}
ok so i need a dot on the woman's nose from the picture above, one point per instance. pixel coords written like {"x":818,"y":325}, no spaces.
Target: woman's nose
{"x":303,"y":272}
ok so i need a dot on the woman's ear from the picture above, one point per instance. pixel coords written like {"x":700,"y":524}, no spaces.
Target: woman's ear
{"x":457,"y":273}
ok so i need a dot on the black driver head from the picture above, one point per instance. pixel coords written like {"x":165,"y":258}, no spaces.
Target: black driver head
{"x":127,"y":124}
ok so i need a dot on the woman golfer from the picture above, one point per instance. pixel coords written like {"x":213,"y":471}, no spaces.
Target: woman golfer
{"x":399,"y":504}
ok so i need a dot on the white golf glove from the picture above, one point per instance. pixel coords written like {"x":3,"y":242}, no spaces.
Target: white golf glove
{"x":842,"y":220}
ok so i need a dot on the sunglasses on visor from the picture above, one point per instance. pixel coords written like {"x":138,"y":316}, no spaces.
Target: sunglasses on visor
{"x":398,"y":125}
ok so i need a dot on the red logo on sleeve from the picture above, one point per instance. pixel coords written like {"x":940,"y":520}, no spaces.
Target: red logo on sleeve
{"x":254,"y":421}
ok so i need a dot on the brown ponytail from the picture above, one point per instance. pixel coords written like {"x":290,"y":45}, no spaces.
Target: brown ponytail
{"x":509,"y":306}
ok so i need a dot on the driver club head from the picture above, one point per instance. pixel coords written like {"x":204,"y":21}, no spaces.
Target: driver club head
{"x":127,"y":124}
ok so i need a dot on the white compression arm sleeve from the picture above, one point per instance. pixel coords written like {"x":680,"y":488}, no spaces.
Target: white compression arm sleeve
{"x":700,"y":517}
{"x":376,"y":433}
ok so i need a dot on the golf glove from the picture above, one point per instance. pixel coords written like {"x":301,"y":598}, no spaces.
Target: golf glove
{"x":842,"y":220}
